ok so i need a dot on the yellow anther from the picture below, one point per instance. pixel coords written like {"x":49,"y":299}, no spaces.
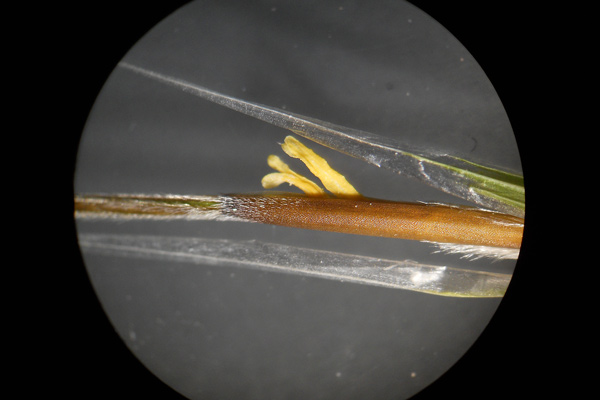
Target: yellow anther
{"x":333,"y":181}
{"x":286,"y":175}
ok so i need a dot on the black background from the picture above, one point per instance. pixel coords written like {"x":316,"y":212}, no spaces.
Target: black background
{"x":87,"y":358}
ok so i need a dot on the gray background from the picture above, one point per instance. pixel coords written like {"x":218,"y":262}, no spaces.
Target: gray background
{"x":215,"y":332}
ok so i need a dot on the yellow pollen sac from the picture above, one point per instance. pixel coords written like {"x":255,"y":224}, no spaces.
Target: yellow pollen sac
{"x":333,"y":181}
{"x":286,"y":175}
